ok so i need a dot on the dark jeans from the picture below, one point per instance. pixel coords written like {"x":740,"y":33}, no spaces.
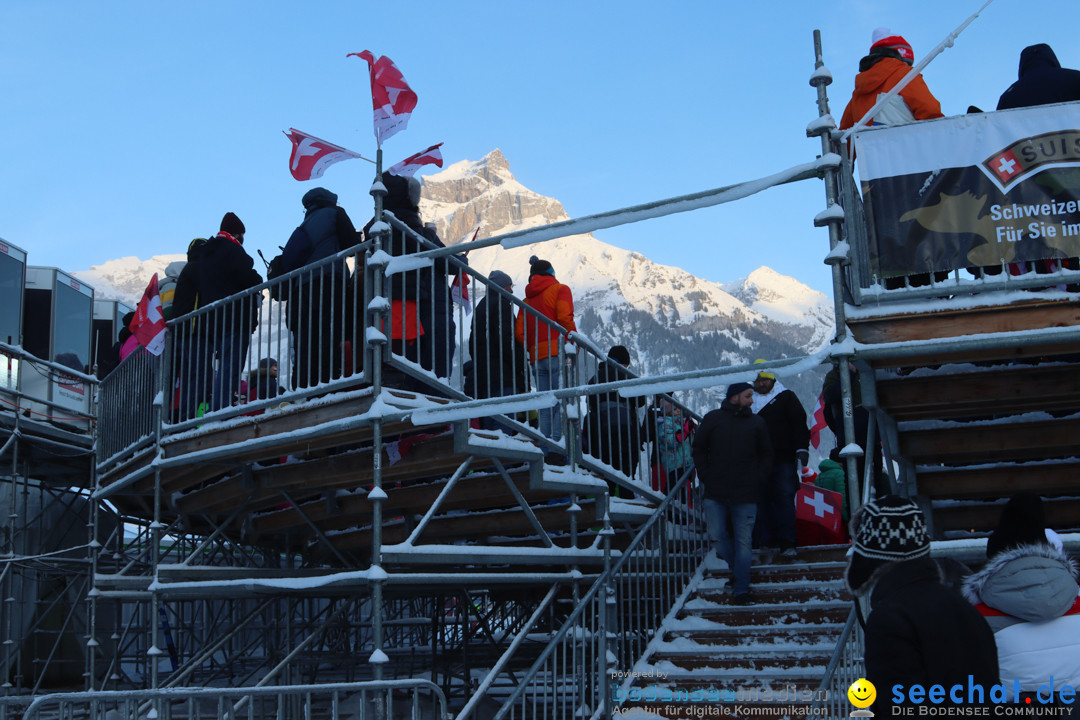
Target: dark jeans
{"x":316,"y":317}
{"x":231,"y":349}
{"x":776,"y":511}
{"x":730,"y":526}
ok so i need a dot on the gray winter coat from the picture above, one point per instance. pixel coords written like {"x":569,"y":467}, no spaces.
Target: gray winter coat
{"x":1028,"y":595}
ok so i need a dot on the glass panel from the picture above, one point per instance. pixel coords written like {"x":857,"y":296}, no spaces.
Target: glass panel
{"x":71,"y":328}
{"x":11,"y":291}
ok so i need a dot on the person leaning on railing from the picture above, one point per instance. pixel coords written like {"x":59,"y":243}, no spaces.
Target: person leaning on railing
{"x":418,"y":320}
{"x":221,"y":269}
{"x":611,"y":427}
{"x":498,"y":359}
{"x":319,"y":300}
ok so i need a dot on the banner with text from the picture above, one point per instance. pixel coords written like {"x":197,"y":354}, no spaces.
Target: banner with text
{"x":972,"y":191}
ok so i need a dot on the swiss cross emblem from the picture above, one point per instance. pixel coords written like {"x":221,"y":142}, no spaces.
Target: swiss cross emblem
{"x":1006,"y":165}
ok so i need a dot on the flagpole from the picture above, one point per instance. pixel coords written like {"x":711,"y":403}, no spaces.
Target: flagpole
{"x":378,"y":276}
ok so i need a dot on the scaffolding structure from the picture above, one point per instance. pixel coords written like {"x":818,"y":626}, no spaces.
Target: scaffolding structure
{"x":377,"y":528}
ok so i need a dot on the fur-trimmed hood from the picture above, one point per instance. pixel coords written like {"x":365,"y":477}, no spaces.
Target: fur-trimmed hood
{"x":1031,"y":582}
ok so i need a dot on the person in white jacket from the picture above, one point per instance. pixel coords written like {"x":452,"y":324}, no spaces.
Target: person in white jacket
{"x":1028,"y":593}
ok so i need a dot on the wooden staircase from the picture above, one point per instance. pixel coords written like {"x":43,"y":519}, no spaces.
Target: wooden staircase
{"x":757,"y":658}
{"x":977,"y":424}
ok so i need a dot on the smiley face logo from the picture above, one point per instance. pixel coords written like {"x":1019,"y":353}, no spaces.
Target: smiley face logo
{"x":862,"y":693}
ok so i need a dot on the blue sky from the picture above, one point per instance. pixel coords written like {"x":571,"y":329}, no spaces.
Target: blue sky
{"x":131,"y":127}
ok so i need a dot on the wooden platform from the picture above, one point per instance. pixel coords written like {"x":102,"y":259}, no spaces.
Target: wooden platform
{"x":299,"y":480}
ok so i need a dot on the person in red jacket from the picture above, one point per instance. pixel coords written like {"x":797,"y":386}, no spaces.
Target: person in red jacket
{"x":890,"y":59}
{"x":553,"y":300}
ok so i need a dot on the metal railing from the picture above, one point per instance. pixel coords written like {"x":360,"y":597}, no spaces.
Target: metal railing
{"x":46,"y":391}
{"x":845,"y":667}
{"x":611,"y":621}
{"x":414,"y":698}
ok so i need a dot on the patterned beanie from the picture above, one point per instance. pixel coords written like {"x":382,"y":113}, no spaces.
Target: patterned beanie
{"x":891,"y":528}
{"x":885,"y":38}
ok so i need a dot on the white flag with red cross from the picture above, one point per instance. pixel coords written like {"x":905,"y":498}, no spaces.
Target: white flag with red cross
{"x":311,"y":156}
{"x":148,"y":324}
{"x":391,"y":97}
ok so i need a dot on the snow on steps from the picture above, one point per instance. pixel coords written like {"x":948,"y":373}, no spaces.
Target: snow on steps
{"x":781,"y":643}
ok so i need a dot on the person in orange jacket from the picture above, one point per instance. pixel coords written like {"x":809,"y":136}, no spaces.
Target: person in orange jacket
{"x":553,"y":300}
{"x":890,"y":59}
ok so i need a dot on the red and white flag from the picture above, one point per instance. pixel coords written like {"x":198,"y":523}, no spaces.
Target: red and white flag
{"x":459,"y":291}
{"x":819,"y":506}
{"x":311,"y":156}
{"x":391,"y":97}
{"x":409,"y":166}
{"x":148,"y":325}
{"x":818,"y":423}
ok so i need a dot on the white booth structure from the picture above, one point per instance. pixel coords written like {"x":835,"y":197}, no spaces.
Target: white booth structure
{"x":57,"y":321}
{"x":12,"y":279}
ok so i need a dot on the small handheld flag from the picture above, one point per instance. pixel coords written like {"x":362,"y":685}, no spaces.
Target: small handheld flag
{"x":148,"y":324}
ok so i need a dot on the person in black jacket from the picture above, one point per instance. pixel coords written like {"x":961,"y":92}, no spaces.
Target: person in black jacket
{"x":319,"y":306}
{"x":498,"y":359}
{"x":421,"y":325}
{"x":919,"y":631}
{"x":220,"y":269}
{"x":784,"y":415}
{"x":1041,"y":81}
{"x":733,"y":455}
{"x":612,"y":427}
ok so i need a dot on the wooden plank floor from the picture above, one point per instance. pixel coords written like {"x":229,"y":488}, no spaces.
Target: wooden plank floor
{"x":983,"y":391}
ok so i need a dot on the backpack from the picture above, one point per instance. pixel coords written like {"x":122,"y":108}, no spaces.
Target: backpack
{"x":274,"y":270}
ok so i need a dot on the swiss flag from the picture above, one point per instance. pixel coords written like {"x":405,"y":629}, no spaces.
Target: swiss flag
{"x":391,"y":97}
{"x":148,"y":325}
{"x":817,"y":515}
{"x":409,"y":166}
{"x":819,"y":423}
{"x":459,"y":291}
{"x":311,"y":156}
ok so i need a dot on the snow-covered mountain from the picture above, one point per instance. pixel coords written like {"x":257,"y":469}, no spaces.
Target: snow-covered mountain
{"x":670,"y":319}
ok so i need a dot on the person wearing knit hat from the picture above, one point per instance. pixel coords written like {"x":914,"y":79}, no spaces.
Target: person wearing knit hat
{"x":216,"y":269}
{"x":500,"y":279}
{"x":738,"y":388}
{"x":918,"y":630}
{"x":885,"y":38}
{"x":541,"y":330}
{"x":498,"y":360}
{"x":889,"y":60}
{"x":733,"y":454}
{"x":785,"y":417}
{"x":232,"y":225}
